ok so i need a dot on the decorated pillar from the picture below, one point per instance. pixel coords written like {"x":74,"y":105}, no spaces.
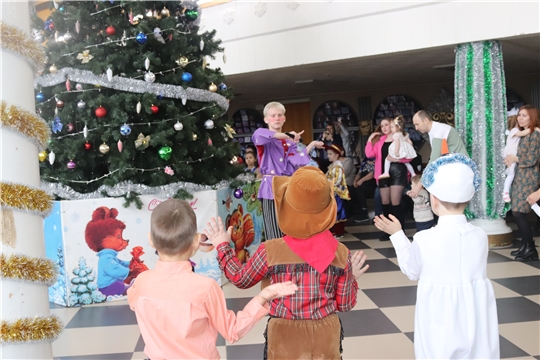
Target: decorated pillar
{"x":27,"y":327}
{"x":480,"y":113}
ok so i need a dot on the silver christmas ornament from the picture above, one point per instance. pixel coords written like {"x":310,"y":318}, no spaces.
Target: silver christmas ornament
{"x":178,"y":126}
{"x":209,"y":124}
{"x":149,"y":77}
{"x":81,"y":105}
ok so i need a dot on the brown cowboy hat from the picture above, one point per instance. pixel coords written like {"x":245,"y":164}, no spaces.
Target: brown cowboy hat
{"x":305,"y":204}
{"x":335,"y":147}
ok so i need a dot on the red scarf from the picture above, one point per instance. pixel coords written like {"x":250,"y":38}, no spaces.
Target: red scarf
{"x":318,"y":250}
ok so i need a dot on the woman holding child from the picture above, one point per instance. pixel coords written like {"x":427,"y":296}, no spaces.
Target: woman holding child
{"x":391,"y":188}
{"x":526,"y":180}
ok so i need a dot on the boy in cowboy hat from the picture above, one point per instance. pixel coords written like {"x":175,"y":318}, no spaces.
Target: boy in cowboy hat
{"x":305,"y":325}
{"x":456,"y":313}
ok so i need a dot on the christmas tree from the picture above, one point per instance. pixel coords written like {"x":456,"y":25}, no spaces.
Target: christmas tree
{"x":84,"y":290}
{"x":130,"y":96}
{"x":57,"y":292}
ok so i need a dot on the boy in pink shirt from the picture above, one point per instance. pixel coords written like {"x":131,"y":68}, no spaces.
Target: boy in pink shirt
{"x":179,"y":312}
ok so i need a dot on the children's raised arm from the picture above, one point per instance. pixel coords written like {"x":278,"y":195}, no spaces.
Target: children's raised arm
{"x":215,"y":231}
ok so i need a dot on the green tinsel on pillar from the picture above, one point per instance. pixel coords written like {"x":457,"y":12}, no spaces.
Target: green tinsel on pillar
{"x":480,"y":112}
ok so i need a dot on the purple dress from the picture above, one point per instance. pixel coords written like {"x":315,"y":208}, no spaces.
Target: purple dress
{"x":276,"y":157}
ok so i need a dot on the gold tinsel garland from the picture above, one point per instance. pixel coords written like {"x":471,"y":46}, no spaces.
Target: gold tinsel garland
{"x":14,"y":39}
{"x":40,"y":328}
{"x":21,"y":197}
{"x":26,"y":268}
{"x":26,"y":123}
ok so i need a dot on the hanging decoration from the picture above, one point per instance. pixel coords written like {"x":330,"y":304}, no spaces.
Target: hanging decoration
{"x":165,"y":153}
{"x":24,"y":198}
{"x":238,"y":193}
{"x":71,"y":165}
{"x":149,"y":77}
{"x":209,"y":124}
{"x":187,"y":77}
{"x":53,"y":69}
{"x":178,"y":126}
{"x":101,"y":112}
{"x":15,"y":40}
{"x":104,"y":148}
{"x":183,"y":61}
{"x":125,"y":130}
{"x":85,"y":56}
{"x":81,"y":105}
{"x":141,"y":38}
{"x":87,"y":146}
{"x":39,"y":328}
{"x":120,"y":145}
{"x":52,"y":157}
{"x":142,"y":142}
{"x":169,"y":171}
{"x":212,"y":87}
{"x":42,"y":156}
{"x":57,"y":125}
{"x":110,"y":30}
{"x":154,"y":109}
{"x":229,"y":131}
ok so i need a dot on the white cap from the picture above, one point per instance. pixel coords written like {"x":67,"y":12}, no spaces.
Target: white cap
{"x":452,"y":178}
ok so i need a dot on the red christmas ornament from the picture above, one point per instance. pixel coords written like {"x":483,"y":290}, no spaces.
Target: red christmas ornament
{"x":110,"y":30}
{"x":154,"y":109}
{"x":70,"y":127}
{"x":101,"y":112}
{"x":87,"y":146}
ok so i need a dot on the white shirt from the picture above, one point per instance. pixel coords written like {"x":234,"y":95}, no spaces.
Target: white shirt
{"x":456,"y":313}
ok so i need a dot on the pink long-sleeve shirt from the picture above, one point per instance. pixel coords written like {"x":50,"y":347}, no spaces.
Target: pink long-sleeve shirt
{"x":180,"y":313}
{"x":376,"y":152}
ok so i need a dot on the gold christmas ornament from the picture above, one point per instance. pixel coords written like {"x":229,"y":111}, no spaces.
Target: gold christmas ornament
{"x":165,"y":12}
{"x":212,"y":87}
{"x":42,"y":156}
{"x":183,"y":61}
{"x":84,"y":56}
{"x":104,"y":148}
{"x":204,"y":63}
{"x":25,"y":268}
{"x":15,"y":40}
{"x":53,"y":69}
{"x":142,"y":142}
{"x":24,"y":198}
{"x":194,"y":137}
{"x":39,"y":328}
{"x":25,"y":123}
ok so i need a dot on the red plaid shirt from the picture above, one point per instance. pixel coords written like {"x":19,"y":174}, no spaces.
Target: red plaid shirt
{"x":318,"y":295}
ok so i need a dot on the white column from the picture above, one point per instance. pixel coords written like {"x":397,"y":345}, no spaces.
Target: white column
{"x":19,"y":164}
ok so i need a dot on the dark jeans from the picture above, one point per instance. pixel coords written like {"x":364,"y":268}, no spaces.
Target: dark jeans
{"x":359,"y":194}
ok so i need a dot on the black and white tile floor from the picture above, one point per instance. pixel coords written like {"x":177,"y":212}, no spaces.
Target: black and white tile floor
{"x":379,"y":327}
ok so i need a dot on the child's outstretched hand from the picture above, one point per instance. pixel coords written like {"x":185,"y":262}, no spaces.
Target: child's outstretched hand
{"x":215,"y":231}
{"x":357,"y":260}
{"x":276,"y":290}
{"x":389,"y":226}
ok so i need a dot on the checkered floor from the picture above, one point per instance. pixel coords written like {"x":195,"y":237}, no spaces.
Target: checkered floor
{"x":379,"y":327}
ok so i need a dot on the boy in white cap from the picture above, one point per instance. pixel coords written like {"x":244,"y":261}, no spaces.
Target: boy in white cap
{"x":456,"y":313}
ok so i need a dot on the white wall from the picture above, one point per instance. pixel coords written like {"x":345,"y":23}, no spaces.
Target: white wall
{"x":326,"y":30}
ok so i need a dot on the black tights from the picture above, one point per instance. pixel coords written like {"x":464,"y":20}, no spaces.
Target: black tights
{"x":523,"y":227}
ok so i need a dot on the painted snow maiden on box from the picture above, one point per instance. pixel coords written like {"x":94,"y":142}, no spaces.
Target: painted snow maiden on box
{"x":456,"y":313}
{"x":304,"y":325}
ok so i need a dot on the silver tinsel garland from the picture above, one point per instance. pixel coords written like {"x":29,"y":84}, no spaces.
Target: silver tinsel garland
{"x":480,"y":112}
{"x":127,"y":187}
{"x":130,"y":85}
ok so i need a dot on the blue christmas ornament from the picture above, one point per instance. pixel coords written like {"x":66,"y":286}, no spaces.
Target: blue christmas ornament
{"x":125,"y":130}
{"x":222,"y":87}
{"x":61,"y":9}
{"x":141,"y":38}
{"x":40,"y":97}
{"x":187,"y":77}
{"x":160,"y":96}
{"x":56,"y":125}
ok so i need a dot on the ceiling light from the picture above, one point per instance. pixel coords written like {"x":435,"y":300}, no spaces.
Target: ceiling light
{"x":303,"y":81}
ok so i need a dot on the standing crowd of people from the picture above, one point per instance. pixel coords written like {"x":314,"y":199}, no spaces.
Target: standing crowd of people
{"x":307,"y":275}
